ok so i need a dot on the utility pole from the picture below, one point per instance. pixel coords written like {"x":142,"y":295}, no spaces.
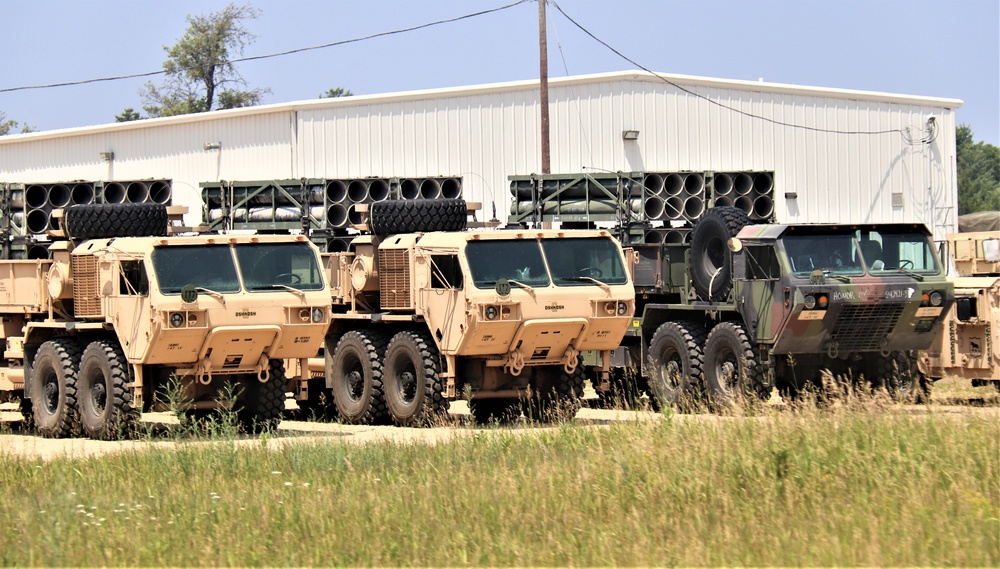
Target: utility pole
{"x":543,"y":52}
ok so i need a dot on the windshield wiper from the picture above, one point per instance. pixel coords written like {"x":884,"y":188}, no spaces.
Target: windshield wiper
{"x":903,"y":271}
{"x":279,"y":286}
{"x":841,"y":278}
{"x":522,"y":285}
{"x":212,"y":293}
{"x":601,"y":284}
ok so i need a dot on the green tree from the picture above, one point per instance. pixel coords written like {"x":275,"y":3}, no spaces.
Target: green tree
{"x":336,"y":92}
{"x":9,"y":126}
{"x":978,"y":173}
{"x":128,"y":115}
{"x":200,"y":74}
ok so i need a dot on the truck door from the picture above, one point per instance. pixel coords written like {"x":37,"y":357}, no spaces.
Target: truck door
{"x":761,"y":299}
{"x":128,"y":307}
{"x":443,"y":299}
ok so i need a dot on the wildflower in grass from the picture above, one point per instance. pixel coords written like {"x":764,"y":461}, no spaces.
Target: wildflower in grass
{"x":275,"y":472}
{"x":288,"y":483}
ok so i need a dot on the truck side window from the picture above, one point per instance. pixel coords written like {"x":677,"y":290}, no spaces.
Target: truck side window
{"x":446,"y":272}
{"x":133,"y":280}
{"x":762,"y":263}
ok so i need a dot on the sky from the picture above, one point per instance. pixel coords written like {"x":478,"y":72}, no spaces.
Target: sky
{"x":936,"y":48}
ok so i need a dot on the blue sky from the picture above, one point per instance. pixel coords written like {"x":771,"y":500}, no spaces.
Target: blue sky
{"x":937,"y":48}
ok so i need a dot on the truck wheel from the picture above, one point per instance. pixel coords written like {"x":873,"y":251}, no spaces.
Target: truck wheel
{"x":731,"y":369}
{"x":625,"y":390}
{"x":104,"y":398}
{"x":98,"y":221}
{"x":412,"y":216}
{"x":355,"y":370}
{"x":677,"y":362}
{"x":27,"y":414}
{"x":899,"y":376}
{"x":261,"y":405}
{"x":53,"y":388}
{"x":414,"y":392}
{"x":711,"y":259}
{"x":319,"y":404}
{"x":559,"y":399}
{"x":503,"y":410}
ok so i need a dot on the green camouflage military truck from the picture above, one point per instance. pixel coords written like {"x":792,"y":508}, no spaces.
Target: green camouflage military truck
{"x":741,"y":305}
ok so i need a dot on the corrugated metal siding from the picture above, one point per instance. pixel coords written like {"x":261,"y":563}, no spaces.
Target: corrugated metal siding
{"x":253,"y":147}
{"x":485,"y":135}
{"x":839,"y":178}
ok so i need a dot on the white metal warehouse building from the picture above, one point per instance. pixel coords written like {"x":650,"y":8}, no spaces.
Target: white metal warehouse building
{"x":829,"y":167}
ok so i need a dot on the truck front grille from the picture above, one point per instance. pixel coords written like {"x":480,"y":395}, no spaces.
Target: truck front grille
{"x":394,"y":278}
{"x":86,"y":289}
{"x":861,"y":327}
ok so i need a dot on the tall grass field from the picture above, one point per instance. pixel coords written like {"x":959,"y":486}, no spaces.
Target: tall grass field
{"x":791,"y":488}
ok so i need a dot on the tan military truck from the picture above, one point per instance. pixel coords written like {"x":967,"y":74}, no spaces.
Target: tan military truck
{"x":969,"y":344}
{"x":496,"y":317}
{"x":94,"y":333}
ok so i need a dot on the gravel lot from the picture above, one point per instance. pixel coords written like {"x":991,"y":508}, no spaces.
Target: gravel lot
{"x":291,"y":431}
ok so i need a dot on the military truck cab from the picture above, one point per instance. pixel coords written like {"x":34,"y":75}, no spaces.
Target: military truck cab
{"x":968,"y":344}
{"x":850,"y":299}
{"x":110,"y":322}
{"x":497,"y":317}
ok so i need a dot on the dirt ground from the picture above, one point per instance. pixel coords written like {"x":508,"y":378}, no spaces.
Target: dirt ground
{"x":16,"y":442}
{"x":291,"y":431}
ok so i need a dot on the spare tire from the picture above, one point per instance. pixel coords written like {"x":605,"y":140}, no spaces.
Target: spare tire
{"x":413,"y":216}
{"x":711,"y":259}
{"x":99,"y":221}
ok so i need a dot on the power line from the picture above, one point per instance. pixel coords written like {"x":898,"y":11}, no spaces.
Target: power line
{"x":271,"y":55}
{"x":712,"y":101}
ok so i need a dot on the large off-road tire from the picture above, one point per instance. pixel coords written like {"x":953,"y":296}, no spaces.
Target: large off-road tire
{"x":731,"y":369}
{"x":104,"y":398}
{"x":711,"y":259}
{"x":502,"y":410}
{"x":559,"y":395}
{"x":260,"y":405}
{"x":319,"y":403}
{"x":677,"y":359}
{"x":626,"y":386}
{"x":97,"y":221}
{"x":54,"y":388}
{"x":414,"y":390}
{"x":899,"y":376}
{"x":27,"y":414}
{"x":412,"y":216}
{"x":354,"y":368}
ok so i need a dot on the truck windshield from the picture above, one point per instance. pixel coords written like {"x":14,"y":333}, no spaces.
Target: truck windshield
{"x":571,"y":262}
{"x":574,"y":262}
{"x":517,"y":260}
{"x":898,"y":252}
{"x":205,"y":266}
{"x":266,"y":266}
{"x":851,"y":253}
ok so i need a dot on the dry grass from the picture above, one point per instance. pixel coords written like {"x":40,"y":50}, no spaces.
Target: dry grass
{"x":812,"y":485}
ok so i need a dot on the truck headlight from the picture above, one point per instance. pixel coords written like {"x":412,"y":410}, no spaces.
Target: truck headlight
{"x":317,"y":314}
{"x":610,"y":307}
{"x":491,"y":313}
{"x":622,"y":309}
{"x":936,"y":298}
{"x":809,"y":301}
{"x":177,"y":319}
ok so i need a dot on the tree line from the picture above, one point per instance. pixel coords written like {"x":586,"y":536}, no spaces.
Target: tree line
{"x":200,"y":76}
